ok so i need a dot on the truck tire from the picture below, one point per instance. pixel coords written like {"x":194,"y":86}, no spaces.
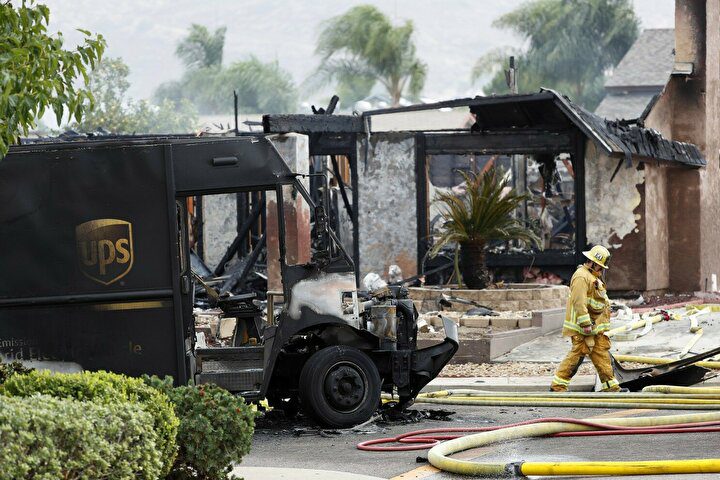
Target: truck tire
{"x":340,"y":387}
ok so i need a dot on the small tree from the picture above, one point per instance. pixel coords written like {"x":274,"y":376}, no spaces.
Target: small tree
{"x":484,"y":213}
{"x":208,"y":85}
{"x":361,"y":48}
{"x":114,"y":112}
{"x":37,"y":73}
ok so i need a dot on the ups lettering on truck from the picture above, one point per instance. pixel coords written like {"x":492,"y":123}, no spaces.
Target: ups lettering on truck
{"x":105,"y":249}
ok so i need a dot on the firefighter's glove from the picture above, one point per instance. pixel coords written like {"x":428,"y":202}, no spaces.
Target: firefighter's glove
{"x":587,"y":330}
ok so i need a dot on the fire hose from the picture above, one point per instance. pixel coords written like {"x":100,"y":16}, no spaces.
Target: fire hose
{"x":664,"y":397}
{"x":430,"y":437}
{"x":661,"y":361}
{"x":439,"y":454}
{"x":666,"y":401}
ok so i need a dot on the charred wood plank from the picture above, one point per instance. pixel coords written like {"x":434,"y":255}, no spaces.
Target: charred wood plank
{"x":312,"y":123}
{"x":341,"y":183}
{"x":497,"y":143}
{"x":332,"y":144}
{"x":239,"y":277}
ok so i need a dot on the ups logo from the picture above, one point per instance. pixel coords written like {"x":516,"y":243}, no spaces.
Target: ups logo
{"x":105,"y":249}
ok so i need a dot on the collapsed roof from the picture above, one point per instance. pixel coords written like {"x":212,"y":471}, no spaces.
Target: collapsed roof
{"x":544,"y":112}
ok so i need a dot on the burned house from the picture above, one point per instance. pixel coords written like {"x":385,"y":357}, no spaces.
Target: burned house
{"x":585,"y":176}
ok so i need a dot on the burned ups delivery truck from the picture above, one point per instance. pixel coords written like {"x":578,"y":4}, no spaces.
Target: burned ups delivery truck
{"x":95,"y":273}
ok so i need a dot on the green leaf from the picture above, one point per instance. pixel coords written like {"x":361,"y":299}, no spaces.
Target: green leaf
{"x":482,"y":214}
{"x":59,"y":110}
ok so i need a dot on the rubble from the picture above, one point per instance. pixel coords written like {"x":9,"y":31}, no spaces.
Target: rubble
{"x":215,"y":330}
{"x":226,"y":329}
{"x":535,"y":275}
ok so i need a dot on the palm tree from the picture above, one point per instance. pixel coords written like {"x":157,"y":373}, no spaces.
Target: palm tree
{"x":208,"y":85}
{"x":482,"y":214}
{"x":200,"y":48}
{"x":569,"y":45}
{"x":361,"y":47}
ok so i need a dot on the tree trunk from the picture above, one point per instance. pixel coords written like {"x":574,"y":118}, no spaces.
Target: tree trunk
{"x":472,"y":265}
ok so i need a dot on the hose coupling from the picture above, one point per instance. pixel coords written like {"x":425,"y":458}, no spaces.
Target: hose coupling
{"x":514,"y":469}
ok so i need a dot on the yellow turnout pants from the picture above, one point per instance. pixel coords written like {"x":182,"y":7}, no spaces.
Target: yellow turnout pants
{"x":600,"y":356}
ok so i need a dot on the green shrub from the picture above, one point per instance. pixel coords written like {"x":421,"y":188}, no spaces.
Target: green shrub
{"x":216,"y":429}
{"x":7,"y":369}
{"x":104,"y":387}
{"x":43,"y":437}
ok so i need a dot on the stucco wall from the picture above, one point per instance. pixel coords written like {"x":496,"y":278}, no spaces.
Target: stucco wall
{"x":656,"y":227}
{"x":388,"y":207}
{"x":615,"y":216}
{"x":710,"y":176}
{"x":610,"y":206}
{"x":687,"y":110}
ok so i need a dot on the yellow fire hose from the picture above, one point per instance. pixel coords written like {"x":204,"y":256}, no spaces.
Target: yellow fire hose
{"x":439,"y":456}
{"x":665,"y":401}
{"x":639,"y":323}
{"x":672,"y":389}
{"x":660,"y":361}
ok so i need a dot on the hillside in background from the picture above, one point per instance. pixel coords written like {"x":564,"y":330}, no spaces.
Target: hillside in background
{"x":450,"y":35}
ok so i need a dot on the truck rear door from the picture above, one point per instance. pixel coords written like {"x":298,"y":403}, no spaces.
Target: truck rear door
{"x":89,"y":259}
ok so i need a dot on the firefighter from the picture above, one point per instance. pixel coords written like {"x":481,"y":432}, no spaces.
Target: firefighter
{"x":587,"y":318}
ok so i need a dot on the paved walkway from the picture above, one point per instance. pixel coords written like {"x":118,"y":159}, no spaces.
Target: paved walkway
{"x":580,"y":383}
{"x":666,"y":339}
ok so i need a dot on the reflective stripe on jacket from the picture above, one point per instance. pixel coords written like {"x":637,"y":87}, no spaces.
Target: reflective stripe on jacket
{"x":588,"y":304}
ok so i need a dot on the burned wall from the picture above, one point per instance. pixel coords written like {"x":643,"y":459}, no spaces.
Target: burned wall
{"x":610,"y":205}
{"x":615,"y":216}
{"x":387,"y":204}
{"x":219,"y":225}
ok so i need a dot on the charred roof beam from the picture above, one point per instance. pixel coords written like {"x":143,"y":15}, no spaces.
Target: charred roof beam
{"x":307,"y":124}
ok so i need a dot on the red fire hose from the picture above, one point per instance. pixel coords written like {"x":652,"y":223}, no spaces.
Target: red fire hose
{"x":429,"y":437}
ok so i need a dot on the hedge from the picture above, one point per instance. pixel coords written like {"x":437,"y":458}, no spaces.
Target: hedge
{"x":43,"y":437}
{"x":216,"y":429}
{"x":105,"y":388}
{"x":7,"y":369}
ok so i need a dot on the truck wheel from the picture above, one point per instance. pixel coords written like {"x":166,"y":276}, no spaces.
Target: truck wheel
{"x":340,"y":386}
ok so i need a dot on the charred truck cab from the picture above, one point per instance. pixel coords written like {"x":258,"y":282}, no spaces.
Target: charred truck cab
{"x":96,"y":274}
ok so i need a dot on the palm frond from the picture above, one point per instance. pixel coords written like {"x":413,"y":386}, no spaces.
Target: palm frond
{"x":485,"y":212}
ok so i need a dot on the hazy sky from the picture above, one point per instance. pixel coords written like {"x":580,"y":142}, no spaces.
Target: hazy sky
{"x":450,"y":34}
